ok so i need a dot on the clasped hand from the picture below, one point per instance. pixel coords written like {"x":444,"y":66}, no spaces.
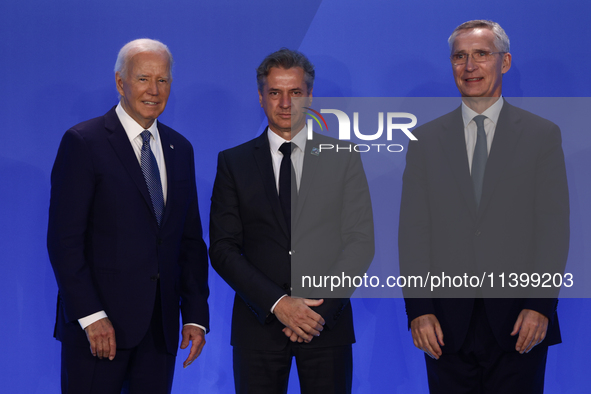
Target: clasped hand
{"x":301,"y":322}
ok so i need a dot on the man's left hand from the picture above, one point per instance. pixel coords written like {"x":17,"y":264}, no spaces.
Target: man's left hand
{"x":532,"y":327}
{"x":195,"y":335}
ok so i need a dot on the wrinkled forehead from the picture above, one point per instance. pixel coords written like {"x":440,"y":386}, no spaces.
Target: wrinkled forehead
{"x":281,"y":77}
{"x":150,"y":59}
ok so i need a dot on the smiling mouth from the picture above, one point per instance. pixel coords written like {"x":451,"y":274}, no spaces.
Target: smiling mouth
{"x":150,"y":102}
{"x":473,"y":79}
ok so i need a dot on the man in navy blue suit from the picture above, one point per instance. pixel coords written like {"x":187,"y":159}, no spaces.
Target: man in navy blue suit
{"x":484,"y":189}
{"x":125,"y":238}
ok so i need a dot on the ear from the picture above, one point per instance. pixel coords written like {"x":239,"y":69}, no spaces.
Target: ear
{"x":260,"y":98}
{"x":506,"y":63}
{"x":119,"y":83}
{"x":309,"y":98}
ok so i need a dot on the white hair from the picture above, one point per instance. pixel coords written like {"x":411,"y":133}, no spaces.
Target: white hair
{"x":501,"y":38}
{"x":134,"y":47}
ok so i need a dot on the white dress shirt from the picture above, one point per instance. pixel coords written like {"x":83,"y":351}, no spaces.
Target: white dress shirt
{"x":134,"y":131}
{"x":490,"y":124}
{"x":297,"y":154}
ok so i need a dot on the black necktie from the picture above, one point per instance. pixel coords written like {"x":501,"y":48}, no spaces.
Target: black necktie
{"x":287,"y":182}
{"x":479,"y":159}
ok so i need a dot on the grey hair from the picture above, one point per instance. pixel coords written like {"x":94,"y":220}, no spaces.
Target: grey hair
{"x":501,"y":38}
{"x":134,"y":47}
{"x":286,"y":58}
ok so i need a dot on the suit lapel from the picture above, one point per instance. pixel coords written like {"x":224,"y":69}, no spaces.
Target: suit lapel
{"x":507,"y":134}
{"x":262,"y":156}
{"x":120,"y":143}
{"x":310,"y":165}
{"x":453,"y":141}
{"x":169,"y":158}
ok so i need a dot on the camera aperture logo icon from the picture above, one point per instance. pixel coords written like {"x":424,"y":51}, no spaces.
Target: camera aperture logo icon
{"x":316,"y":118}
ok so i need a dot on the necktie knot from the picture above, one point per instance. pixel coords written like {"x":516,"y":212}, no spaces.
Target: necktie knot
{"x":146,"y":136}
{"x":479,"y":119}
{"x":286,"y":148}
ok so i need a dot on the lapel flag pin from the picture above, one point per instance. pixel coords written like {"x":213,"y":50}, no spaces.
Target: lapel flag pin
{"x":171,"y":146}
{"x":315,"y":151}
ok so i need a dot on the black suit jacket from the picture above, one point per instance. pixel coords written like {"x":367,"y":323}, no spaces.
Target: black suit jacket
{"x":250,"y":243}
{"x":521,"y":225}
{"x":105,"y":245}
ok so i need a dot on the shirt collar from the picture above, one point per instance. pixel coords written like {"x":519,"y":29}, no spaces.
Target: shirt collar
{"x":275,"y":141}
{"x":132,"y":128}
{"x":491,"y":112}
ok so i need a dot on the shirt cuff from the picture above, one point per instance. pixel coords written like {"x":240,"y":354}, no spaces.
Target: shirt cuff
{"x":196,"y":325}
{"x":275,"y":304}
{"x":88,"y":320}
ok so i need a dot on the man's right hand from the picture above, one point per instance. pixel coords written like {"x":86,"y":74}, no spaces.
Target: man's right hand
{"x":292,"y":335}
{"x":295,"y":313}
{"x":427,"y":335}
{"x":101,"y":336}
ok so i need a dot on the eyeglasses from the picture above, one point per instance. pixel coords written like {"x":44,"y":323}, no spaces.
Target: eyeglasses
{"x":458,"y":59}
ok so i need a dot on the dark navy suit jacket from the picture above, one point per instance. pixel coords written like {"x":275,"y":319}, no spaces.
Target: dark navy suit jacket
{"x":105,"y":245}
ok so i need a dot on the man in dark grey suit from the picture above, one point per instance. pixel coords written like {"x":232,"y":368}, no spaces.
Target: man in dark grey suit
{"x":484,"y":188}
{"x":257,"y":233}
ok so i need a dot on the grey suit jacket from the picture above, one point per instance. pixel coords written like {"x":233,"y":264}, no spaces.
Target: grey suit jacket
{"x":521,"y":225}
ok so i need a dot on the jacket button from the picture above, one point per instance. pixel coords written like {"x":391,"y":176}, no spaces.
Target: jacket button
{"x":477,"y":233}
{"x":291,"y":252}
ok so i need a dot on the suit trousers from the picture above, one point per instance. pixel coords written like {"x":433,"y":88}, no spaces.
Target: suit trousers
{"x":147,"y":368}
{"x":321,"y":370}
{"x":481,"y":366}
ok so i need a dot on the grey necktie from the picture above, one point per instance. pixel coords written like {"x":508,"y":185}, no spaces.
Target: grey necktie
{"x":479,"y":159}
{"x":152,"y":176}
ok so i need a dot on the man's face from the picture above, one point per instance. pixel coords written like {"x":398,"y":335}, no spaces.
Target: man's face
{"x":280,"y":86}
{"x":144,"y":90}
{"x":479,"y":79}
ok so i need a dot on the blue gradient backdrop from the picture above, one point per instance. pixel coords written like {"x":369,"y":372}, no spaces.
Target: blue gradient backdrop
{"x":57,"y":61}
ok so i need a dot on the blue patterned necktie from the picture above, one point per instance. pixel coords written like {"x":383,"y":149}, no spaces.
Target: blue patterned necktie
{"x":480,"y":157}
{"x":152,"y":176}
